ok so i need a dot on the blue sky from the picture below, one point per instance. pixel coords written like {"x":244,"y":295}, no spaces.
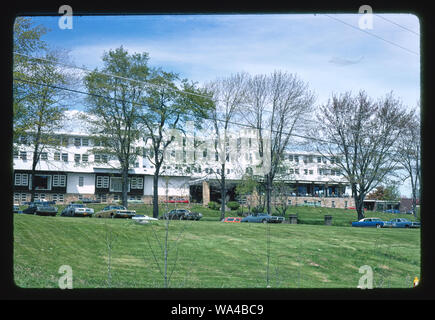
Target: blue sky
{"x":330,"y":55}
{"x":330,"y":52}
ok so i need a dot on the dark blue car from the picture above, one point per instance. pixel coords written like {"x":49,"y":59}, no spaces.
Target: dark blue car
{"x":401,"y":223}
{"x":262,"y":218}
{"x":369,"y":222}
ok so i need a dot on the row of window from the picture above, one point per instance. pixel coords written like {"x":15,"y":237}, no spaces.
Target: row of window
{"x":58,"y":156}
{"x":24,"y":197}
{"x":115,"y":183}
{"x":310,"y":159}
{"x":45,"y":182}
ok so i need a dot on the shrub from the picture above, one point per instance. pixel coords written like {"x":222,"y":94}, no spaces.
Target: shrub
{"x":213,"y":205}
{"x":233,"y":205}
{"x":258,"y":209}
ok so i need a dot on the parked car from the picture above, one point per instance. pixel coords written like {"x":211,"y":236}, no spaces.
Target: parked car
{"x":181,"y":214}
{"x":392,"y":211}
{"x":115,"y":211}
{"x":41,"y":208}
{"x":369,"y":222}
{"x":262,"y":218}
{"x":17,"y":209}
{"x":178,"y":200}
{"x":143,"y":219}
{"x":232,"y":219}
{"x":77,"y":210}
{"x":401,"y":223}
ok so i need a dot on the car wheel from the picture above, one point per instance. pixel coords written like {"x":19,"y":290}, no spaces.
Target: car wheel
{"x":378,"y":226}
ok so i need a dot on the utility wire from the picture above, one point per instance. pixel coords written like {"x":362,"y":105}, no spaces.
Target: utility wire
{"x":373,"y":35}
{"x":203,"y":117}
{"x":138,"y":104}
{"x":399,"y":25}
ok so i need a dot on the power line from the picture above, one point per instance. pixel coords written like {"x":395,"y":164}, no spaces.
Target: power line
{"x":112,"y":75}
{"x":135,"y":103}
{"x":373,"y":35}
{"x":399,"y":25}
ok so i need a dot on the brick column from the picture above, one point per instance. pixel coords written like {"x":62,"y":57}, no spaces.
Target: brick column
{"x":205,"y":193}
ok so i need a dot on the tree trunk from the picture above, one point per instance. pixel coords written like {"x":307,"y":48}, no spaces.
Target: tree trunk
{"x":35,"y":160}
{"x":268,"y":193}
{"x":223,"y":191}
{"x":359,"y":202}
{"x":156,"y":194}
{"x":124,"y":186}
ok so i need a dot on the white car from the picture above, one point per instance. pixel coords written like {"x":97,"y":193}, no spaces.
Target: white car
{"x":143,"y":219}
{"x":77,"y":210}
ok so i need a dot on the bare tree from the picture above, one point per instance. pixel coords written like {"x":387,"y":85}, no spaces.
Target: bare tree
{"x":360,"y":135}
{"x":276,"y":108}
{"x":228,"y":96}
{"x":409,"y":156}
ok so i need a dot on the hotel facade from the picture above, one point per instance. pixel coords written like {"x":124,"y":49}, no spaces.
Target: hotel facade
{"x":75,"y":170}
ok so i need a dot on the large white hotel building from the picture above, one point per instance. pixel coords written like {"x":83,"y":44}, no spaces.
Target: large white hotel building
{"x":75,"y":171}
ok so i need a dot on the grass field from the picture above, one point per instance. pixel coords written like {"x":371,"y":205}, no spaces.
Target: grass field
{"x":211,"y":254}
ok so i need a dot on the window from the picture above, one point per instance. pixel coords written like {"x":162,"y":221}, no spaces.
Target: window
{"x":77,"y":142}
{"x":305,"y":171}
{"x":216,"y":156}
{"x":136,"y":183}
{"x":204,"y":153}
{"x":291,"y":171}
{"x":116,"y":184}
{"x":15,"y":154}
{"x":81,"y":181}
{"x":58,"y":197}
{"x":57,"y":156}
{"x":102,"y":182}
{"x":20,"y":197}
{"x":102,"y":197}
{"x":23,"y":155}
{"x":319,"y":159}
{"x":44,"y":156}
{"x":77,"y":158}
{"x":311,"y":171}
{"x":297,"y":171}
{"x":296,"y":158}
{"x":59,"y":180}
{"x":21,"y":179}
{"x":97,"y":158}
{"x":23,"y":139}
{"x":85,"y":157}
{"x":85,"y":142}
{"x":42,"y":182}
{"x":65,"y":157}
{"x":39,"y":196}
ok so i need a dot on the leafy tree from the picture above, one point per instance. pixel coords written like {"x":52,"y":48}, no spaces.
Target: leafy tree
{"x":26,"y":41}
{"x":169,"y":104}
{"x":44,"y":105}
{"x":114,"y":107}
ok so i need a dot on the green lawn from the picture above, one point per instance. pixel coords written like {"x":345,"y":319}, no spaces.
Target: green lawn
{"x":211,"y":254}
